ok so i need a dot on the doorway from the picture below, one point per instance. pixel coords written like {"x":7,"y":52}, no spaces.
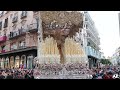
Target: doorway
{"x":11,"y":62}
{"x":17,"y":62}
{"x":23,"y":61}
{"x":30,"y":62}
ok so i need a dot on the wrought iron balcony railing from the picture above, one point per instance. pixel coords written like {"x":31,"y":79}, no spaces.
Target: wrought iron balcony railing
{"x":30,"y":28}
{"x":33,"y":27}
{"x":3,"y":38}
{"x":17,"y":33}
{"x":3,"y":51}
{"x":21,"y":47}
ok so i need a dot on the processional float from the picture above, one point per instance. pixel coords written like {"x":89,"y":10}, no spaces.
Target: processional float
{"x":57,"y":37}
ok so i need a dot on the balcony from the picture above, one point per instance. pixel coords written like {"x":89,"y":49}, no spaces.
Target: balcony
{"x":32,"y":27}
{"x":3,"y":38}
{"x":20,"y":50}
{"x":92,"y":52}
{"x":24,"y":14}
{"x":22,"y":31}
{"x":17,"y":48}
{"x":21,"y":47}
{"x":15,"y":19}
{"x":92,"y":33}
{"x":16,"y":34}
{"x":3,"y":51}
{"x":93,"y":42}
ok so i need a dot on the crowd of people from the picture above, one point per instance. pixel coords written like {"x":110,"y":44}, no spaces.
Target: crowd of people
{"x":16,"y":74}
{"x":105,"y":72}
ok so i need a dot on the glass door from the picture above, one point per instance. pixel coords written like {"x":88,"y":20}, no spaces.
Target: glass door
{"x":23,"y":61}
{"x":30,"y":62}
{"x":12,"y":62}
{"x":17,"y":62}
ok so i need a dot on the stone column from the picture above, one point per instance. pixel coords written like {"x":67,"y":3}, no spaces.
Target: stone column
{"x":40,"y":36}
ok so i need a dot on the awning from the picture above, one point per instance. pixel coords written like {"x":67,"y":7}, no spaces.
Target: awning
{"x":19,"y":50}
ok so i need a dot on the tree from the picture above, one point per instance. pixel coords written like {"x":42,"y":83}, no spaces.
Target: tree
{"x":105,"y":61}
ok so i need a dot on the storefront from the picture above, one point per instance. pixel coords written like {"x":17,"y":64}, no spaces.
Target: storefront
{"x":23,"y":61}
{"x":2,"y":63}
{"x":7,"y":62}
{"x":30,"y":62}
{"x":15,"y":59}
{"x":17,"y":62}
{"x":11,"y":62}
{"x":92,"y":62}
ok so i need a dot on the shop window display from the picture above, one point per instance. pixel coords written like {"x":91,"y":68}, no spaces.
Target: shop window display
{"x":17,"y":62}
{"x":23,"y":61}
{"x":11,"y":62}
{"x":30,"y":62}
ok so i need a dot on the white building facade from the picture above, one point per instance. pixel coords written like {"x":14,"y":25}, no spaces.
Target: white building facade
{"x":116,"y":57}
{"x":91,"y":41}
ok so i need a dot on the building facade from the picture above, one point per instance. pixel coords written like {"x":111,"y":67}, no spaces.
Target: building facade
{"x":115,"y":60}
{"x":18,"y":38}
{"x":91,"y":41}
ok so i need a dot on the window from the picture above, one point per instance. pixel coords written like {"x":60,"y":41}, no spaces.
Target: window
{"x":14,"y":27}
{"x":16,"y":14}
{"x":21,"y":44}
{"x":35,"y":12}
{"x":13,"y":46}
{"x":24,"y":14}
{"x":88,"y":44}
{"x":88,"y":35}
{"x":3,"y":48}
{"x":15,"y":18}
{"x":23,"y":22}
{"x":0,"y":25}
{"x":1,"y":14}
{"x":86,"y":26}
{"x":6,"y":23}
{"x":11,"y":16}
{"x":4,"y":32}
{"x":23,"y":25}
{"x":82,"y":43}
{"x":86,"y":19}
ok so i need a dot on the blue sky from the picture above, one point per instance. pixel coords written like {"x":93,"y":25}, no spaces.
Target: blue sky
{"x":107,"y":24}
